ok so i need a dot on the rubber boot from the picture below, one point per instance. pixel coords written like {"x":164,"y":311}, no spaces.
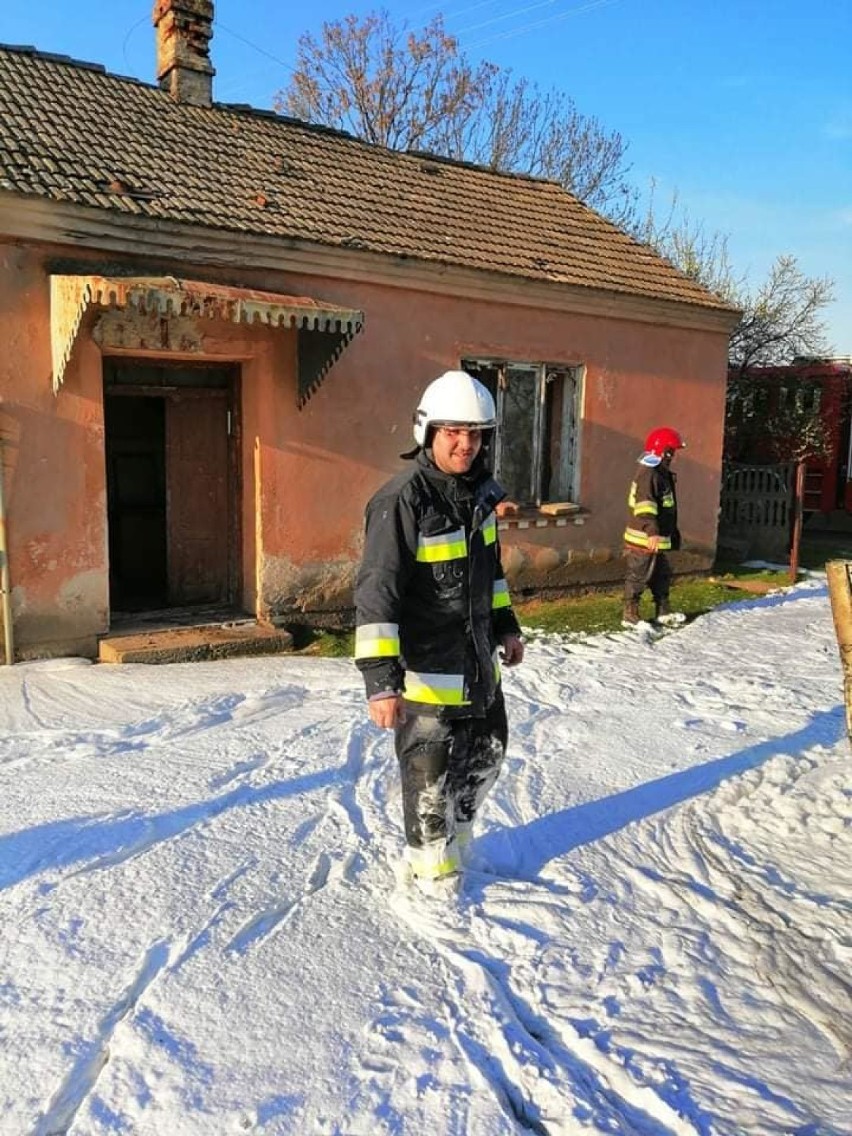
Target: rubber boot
{"x":630,"y":617}
{"x":665,"y":617}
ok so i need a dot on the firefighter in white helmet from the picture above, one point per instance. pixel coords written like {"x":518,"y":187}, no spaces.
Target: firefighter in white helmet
{"x":434,"y":622}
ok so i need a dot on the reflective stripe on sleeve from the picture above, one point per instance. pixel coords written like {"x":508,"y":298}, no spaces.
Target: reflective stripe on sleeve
{"x":435,"y":689}
{"x":377,"y":641}
{"x":445,"y":546}
{"x":640,"y":539}
{"x":489,"y":529}
{"x":500,"y":596}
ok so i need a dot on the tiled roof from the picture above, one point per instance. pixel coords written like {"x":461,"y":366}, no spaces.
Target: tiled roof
{"x":72,"y":132}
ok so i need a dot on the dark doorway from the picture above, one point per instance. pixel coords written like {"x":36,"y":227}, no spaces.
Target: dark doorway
{"x":171,"y":486}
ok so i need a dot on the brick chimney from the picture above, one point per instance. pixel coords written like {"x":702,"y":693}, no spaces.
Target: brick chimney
{"x":184,"y":30}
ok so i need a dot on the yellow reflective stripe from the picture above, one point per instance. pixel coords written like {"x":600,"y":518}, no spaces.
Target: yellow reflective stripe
{"x":668,"y":501}
{"x":637,"y":537}
{"x":500,"y":596}
{"x":489,"y":529}
{"x":445,"y":546}
{"x":435,"y":689}
{"x":495,"y":659}
{"x":433,"y":861}
{"x":377,"y":640}
{"x":645,"y":508}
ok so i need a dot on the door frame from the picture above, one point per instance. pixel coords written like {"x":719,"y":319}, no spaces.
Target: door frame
{"x":233,"y":473}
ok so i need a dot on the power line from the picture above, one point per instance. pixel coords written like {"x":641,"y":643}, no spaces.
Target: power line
{"x":221,"y":27}
{"x":231,"y":90}
{"x":508,"y":15}
{"x":130,"y":32}
{"x":442,"y":9}
{"x":529,"y":27}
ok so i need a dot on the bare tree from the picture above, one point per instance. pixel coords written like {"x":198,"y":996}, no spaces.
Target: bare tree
{"x":782,"y":319}
{"x":774,"y":416}
{"x":701,"y":255}
{"x":779,"y":321}
{"x":414,"y":90}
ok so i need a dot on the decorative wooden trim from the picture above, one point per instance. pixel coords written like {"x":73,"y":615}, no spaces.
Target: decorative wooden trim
{"x":167,"y":296}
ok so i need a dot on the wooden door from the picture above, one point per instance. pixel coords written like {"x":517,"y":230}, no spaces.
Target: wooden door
{"x":198,"y":519}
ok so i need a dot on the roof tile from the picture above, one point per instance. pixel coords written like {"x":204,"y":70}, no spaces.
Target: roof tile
{"x":72,"y":131}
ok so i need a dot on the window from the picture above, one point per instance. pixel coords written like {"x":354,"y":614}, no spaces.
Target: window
{"x":535,"y":454}
{"x":808,"y":398}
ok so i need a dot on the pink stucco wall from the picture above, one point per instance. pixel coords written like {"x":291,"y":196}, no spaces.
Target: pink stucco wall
{"x":306,"y":474}
{"x":53,"y":467}
{"x":346,"y":442}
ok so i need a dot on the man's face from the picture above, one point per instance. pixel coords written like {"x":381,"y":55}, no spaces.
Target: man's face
{"x":455,"y":447}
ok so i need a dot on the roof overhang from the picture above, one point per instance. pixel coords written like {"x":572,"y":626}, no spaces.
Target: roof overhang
{"x":324,"y":329}
{"x":26,"y":217}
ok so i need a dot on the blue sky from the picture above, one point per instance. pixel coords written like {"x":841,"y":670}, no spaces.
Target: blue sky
{"x":741,"y":107}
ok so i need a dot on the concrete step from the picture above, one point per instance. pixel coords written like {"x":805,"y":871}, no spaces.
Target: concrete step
{"x":194,"y":644}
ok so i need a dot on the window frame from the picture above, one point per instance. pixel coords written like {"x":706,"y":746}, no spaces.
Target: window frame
{"x":572,"y":374}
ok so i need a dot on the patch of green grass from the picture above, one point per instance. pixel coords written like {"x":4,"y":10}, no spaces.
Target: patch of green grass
{"x":582,"y":614}
{"x":324,"y":644}
{"x":332,"y":645}
{"x":338,"y":644}
{"x":601,"y":612}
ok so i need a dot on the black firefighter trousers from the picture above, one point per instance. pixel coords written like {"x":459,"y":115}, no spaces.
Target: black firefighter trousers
{"x":643,"y":571}
{"x":447,"y":768}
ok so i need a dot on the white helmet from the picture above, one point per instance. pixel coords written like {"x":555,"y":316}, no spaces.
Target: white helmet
{"x":456,"y":399}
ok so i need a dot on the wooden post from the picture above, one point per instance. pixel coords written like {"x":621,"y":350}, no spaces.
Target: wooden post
{"x":798,"y":515}
{"x":261,"y":612}
{"x":5,"y":582}
{"x":839,"y":574}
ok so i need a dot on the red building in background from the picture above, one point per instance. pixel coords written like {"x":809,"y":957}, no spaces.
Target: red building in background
{"x":823,"y":385}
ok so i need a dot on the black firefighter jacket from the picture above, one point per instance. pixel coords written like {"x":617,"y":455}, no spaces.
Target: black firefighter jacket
{"x":430,"y":596}
{"x":652,"y":507}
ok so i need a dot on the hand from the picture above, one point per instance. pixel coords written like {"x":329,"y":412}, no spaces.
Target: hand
{"x":511,"y":651}
{"x":654,"y":543}
{"x":387,"y":712}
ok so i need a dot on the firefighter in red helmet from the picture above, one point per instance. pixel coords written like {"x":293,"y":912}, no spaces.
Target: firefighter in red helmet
{"x":652,"y":530}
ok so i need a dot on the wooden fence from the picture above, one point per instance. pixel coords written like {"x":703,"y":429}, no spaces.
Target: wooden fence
{"x":756,"y":509}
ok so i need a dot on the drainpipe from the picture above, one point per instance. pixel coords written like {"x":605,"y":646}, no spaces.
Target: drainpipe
{"x":5,"y":584}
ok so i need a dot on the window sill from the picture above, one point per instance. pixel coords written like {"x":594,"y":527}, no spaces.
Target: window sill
{"x":552,"y":515}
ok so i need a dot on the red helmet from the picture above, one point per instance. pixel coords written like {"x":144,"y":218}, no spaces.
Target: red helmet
{"x":663,"y":439}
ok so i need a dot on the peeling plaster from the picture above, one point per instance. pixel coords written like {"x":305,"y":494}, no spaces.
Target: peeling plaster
{"x":86,"y":592}
{"x":133,"y":330}
{"x":286,"y":585}
{"x":77,"y":615}
{"x":606,"y":389}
